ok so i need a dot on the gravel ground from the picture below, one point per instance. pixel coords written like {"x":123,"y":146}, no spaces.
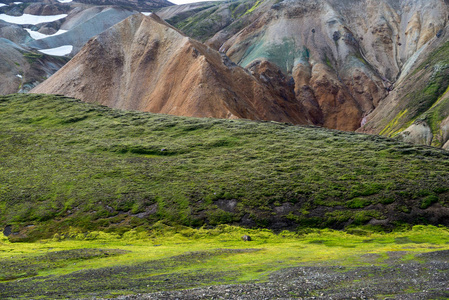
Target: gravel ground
{"x":427,"y":278}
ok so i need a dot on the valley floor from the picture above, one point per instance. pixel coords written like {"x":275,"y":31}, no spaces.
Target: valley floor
{"x":399,"y":280}
{"x":184,"y":263}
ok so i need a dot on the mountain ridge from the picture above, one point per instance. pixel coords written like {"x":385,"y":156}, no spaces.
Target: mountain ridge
{"x":145,"y":64}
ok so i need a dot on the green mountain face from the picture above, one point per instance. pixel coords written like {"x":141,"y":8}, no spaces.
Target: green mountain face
{"x":66,"y":164}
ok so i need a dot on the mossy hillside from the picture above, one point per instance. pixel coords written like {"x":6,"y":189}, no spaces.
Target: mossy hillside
{"x":165,"y":258}
{"x":66,"y":164}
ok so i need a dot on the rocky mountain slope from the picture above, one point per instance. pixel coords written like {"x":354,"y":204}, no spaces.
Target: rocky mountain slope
{"x":57,"y":28}
{"x":21,"y":70}
{"x":417,"y":109}
{"x":144,"y":64}
{"x":344,"y":56}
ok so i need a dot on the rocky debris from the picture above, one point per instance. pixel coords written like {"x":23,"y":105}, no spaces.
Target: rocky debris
{"x":336,"y":36}
{"x":7,"y":231}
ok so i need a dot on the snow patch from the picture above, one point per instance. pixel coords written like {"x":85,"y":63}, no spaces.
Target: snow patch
{"x":58,"y":51}
{"x":3,"y":4}
{"x":38,"y":36}
{"x":17,"y":3}
{"x":18,"y":75}
{"x":64,"y":1}
{"x":147,"y":13}
{"x":30,"y":19}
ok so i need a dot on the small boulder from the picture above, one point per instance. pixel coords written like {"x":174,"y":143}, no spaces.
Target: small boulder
{"x":336,"y":36}
{"x":8,"y":230}
{"x":246,"y":238}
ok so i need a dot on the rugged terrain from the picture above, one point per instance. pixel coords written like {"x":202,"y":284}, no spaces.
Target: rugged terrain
{"x":346,"y":58}
{"x":36,"y":28}
{"x":21,"y":70}
{"x":144,"y":64}
{"x":372,"y":66}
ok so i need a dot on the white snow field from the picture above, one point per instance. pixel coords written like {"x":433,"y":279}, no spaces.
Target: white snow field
{"x":26,"y":19}
{"x":38,"y":36}
{"x":58,"y":51}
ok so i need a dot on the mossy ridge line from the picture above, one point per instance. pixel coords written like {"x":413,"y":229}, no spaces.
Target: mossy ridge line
{"x":117,"y":170}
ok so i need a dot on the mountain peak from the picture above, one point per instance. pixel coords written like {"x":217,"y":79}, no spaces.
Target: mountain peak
{"x":142,"y":63}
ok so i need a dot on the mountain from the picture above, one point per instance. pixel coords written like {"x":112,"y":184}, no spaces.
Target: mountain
{"x":373,"y":66}
{"x":142,"y":5}
{"x":417,"y":108}
{"x":21,"y":70}
{"x":144,"y":64}
{"x":113,"y":170}
{"x":56,"y":28}
{"x":80,"y":26}
{"x":345,"y":57}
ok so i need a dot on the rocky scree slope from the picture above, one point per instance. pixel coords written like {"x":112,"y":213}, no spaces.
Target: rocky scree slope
{"x":344,"y":57}
{"x":417,"y":109}
{"x":21,"y":70}
{"x":144,"y":64}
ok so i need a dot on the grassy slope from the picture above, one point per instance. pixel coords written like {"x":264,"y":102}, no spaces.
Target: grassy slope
{"x":66,"y":164}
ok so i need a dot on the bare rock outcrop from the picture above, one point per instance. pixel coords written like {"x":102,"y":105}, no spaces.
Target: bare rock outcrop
{"x":418,"y":133}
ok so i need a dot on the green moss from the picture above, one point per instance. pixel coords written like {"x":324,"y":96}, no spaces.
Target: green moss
{"x":115,"y":170}
{"x":253,"y":8}
{"x":74,"y":264}
{"x":388,"y":130}
{"x":428,"y":201}
{"x":358,"y":203}
{"x":32,"y":57}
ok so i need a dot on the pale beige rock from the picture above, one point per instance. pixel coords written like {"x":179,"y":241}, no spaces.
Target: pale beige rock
{"x":418,"y":133}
